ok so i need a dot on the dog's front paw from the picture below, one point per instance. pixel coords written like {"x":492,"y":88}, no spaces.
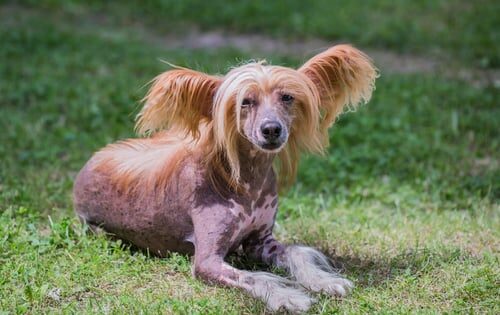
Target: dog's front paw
{"x":296,"y":303}
{"x":313,"y":271}
{"x":330,"y":284}
{"x":278,"y":293}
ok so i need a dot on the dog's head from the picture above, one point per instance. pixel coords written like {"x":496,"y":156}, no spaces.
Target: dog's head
{"x":264,"y":105}
{"x":277,"y":109}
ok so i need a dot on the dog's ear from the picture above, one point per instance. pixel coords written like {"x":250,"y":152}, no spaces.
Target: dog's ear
{"x":343,"y":76}
{"x":180,"y":98}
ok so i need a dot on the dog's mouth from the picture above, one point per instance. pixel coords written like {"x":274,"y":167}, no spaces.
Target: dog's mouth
{"x":272,"y":147}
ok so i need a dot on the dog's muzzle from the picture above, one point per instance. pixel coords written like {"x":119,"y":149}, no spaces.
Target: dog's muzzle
{"x":274,"y":135}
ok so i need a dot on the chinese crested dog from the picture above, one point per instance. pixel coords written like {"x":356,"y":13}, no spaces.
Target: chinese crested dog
{"x":203,"y":181}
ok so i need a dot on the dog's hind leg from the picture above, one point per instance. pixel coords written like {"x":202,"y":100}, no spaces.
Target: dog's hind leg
{"x":307,"y":266}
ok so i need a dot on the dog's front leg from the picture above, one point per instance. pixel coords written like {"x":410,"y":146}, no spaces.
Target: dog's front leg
{"x":308,"y":266}
{"x":214,"y":230}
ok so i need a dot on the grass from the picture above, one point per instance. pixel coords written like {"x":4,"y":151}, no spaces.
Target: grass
{"x":467,"y":31}
{"x":406,"y":201}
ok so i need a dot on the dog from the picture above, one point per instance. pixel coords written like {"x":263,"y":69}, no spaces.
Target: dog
{"x":203,"y":182}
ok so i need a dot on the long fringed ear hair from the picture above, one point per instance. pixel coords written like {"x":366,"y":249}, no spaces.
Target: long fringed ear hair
{"x":344,"y":77}
{"x":340,"y":77}
{"x":180,"y":98}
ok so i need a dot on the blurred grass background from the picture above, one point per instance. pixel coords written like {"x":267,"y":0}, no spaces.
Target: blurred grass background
{"x":405,"y":201}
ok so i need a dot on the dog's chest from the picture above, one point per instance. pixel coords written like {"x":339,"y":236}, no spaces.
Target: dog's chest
{"x":254,"y":216}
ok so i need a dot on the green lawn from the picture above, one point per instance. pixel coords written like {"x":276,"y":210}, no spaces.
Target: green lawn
{"x":406,"y":201}
{"x":464,"y":29}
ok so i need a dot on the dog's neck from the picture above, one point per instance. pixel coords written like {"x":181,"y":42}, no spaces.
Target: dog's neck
{"x":255,"y":164}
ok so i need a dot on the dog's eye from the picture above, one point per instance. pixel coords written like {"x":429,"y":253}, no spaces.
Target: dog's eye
{"x":287,"y":98}
{"x":246,"y":102}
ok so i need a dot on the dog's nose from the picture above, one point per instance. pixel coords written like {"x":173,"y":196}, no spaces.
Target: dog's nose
{"x":271,"y":130}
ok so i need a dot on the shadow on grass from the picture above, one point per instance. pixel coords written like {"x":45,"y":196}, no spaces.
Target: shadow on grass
{"x":372,"y":271}
{"x":377,"y":270}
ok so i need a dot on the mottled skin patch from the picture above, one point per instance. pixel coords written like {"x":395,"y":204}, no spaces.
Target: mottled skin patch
{"x":160,"y":226}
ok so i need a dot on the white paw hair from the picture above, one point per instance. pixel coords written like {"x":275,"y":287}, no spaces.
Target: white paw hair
{"x":277,"y":292}
{"x":313,"y":270}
